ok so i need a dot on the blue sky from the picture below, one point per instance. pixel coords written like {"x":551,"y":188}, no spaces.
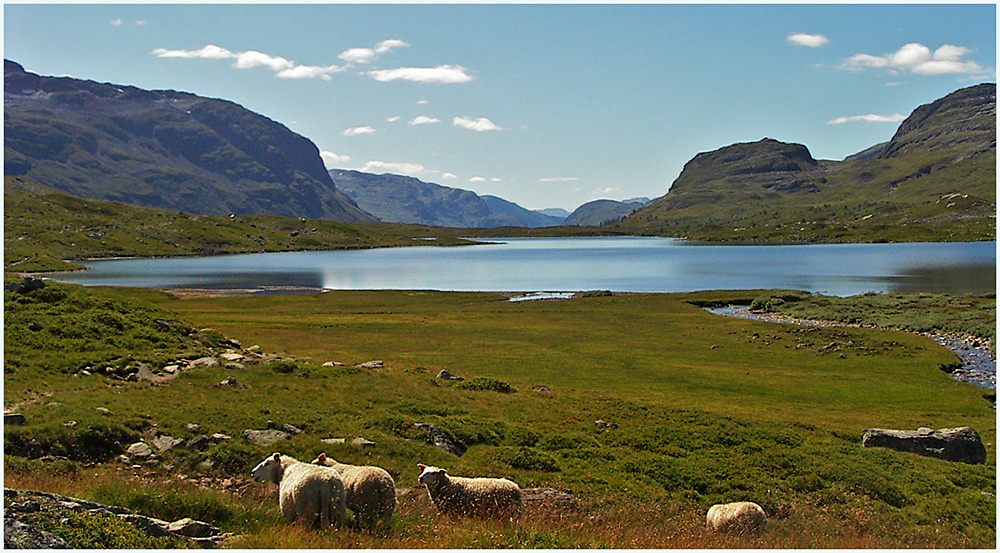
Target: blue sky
{"x":544,"y":105}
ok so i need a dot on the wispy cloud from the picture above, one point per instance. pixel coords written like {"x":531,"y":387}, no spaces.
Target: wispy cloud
{"x":449,"y":176}
{"x":479,"y":124}
{"x":869,"y":118}
{"x":558,"y":179}
{"x":477,"y":179}
{"x":443,"y":74}
{"x":332,"y":159}
{"x":392,"y":119}
{"x":116,"y":22}
{"x":405,"y":168}
{"x":606,"y":191}
{"x":918,"y":59}
{"x":249,"y":59}
{"x":356,"y":131}
{"x":424,"y":120}
{"x":807,"y":40}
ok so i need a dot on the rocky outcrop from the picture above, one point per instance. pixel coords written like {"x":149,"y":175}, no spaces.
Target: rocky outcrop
{"x":441,"y":439}
{"x":21,"y":508}
{"x":951,"y":444}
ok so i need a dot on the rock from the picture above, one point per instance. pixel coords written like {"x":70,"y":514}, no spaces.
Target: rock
{"x":103,"y":410}
{"x":441,"y":439}
{"x":542,"y":390}
{"x":204,"y":362}
{"x":265,"y":437}
{"x":192,"y":426}
{"x":27,"y":284}
{"x":333,"y":441}
{"x":445,"y":375}
{"x":198,"y":442}
{"x":361,"y":442}
{"x":152,"y":526}
{"x":193,"y":528}
{"x":70,"y":424}
{"x":235,"y":366}
{"x":334,"y":364}
{"x":253,"y":349}
{"x":17,"y":535}
{"x":219,"y":438}
{"x":604,"y":424}
{"x":30,"y":449}
{"x":35,"y":327}
{"x":290,"y":429}
{"x":164,"y":442}
{"x":230,"y":382}
{"x":16,"y":419}
{"x":378,"y":364}
{"x":559,"y":497}
{"x":171,"y":369}
{"x":232,"y":356}
{"x":139,"y":449}
{"x":951,"y":444}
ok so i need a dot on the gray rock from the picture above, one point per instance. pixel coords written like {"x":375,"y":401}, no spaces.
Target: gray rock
{"x":230,"y":382}
{"x":27,"y":284}
{"x":378,"y":364}
{"x":204,"y":362}
{"x":265,"y":437}
{"x":334,"y":441}
{"x":193,"y":528}
{"x":152,"y":526}
{"x":139,"y":449}
{"x":361,"y":442}
{"x":951,"y":444}
{"x":441,"y":439}
{"x":16,"y":419}
{"x":290,"y":429}
{"x":17,"y":535}
{"x":103,"y":410}
{"x":164,"y":442}
{"x":445,"y":375}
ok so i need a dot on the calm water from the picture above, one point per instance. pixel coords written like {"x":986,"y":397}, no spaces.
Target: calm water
{"x":573,"y":264}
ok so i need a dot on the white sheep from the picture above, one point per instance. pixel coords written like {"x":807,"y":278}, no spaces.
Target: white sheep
{"x":307,"y":493}
{"x":741,"y":517}
{"x":369,"y":491}
{"x":480,"y":497}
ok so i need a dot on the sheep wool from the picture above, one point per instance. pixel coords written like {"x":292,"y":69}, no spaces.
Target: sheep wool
{"x":477,"y":497}
{"x":307,"y":493}
{"x":741,"y":517}
{"x":370,"y":492}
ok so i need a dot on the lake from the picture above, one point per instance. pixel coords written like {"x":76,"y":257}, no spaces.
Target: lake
{"x":620,"y":264}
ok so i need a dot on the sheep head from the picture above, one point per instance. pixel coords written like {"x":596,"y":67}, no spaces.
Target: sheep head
{"x":432,"y":476}
{"x":269,"y":470}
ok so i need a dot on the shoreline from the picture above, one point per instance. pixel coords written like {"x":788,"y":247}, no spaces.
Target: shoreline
{"x":978,"y":367}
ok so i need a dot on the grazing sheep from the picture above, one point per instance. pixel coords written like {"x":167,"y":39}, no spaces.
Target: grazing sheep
{"x":307,"y":493}
{"x":369,"y":491}
{"x":742,"y":517}
{"x":480,"y":497}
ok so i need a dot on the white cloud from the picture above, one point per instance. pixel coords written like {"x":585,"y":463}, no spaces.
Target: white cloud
{"x":869,"y":118}
{"x":918,"y":59}
{"x":358,"y":55}
{"x":356,"y":131}
{"x":209,"y":51}
{"x":140,"y":22}
{"x":253,"y":58}
{"x":331,"y":159}
{"x":804,"y":39}
{"x":116,"y":22}
{"x":392,"y":119}
{"x":422,"y":102}
{"x":607,"y":191}
{"x":449,"y":176}
{"x":386,"y":45}
{"x":558,"y":179}
{"x":477,"y":179}
{"x":444,"y":74}
{"x":424,"y":120}
{"x":309,"y":72}
{"x":396,"y":167}
{"x":479,"y":124}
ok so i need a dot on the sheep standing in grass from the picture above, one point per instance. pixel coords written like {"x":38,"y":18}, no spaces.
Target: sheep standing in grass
{"x":369,"y":491}
{"x":742,"y":517}
{"x":479,"y":497}
{"x":307,"y":493}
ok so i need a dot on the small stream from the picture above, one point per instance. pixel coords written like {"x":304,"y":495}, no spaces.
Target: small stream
{"x":978,"y":368}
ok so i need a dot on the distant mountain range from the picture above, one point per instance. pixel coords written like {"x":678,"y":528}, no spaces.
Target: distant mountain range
{"x":934,"y":180}
{"x":162,"y":149}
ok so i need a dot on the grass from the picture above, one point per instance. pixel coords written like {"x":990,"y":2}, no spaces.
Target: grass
{"x":702,"y":409}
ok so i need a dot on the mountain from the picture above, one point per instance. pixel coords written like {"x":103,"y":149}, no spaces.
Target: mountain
{"x":934,"y":180}
{"x":402,"y":199}
{"x":525,"y":217}
{"x":601,"y":211}
{"x":557,"y":212}
{"x":163,"y":149}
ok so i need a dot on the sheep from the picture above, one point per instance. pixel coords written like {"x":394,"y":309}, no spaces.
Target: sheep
{"x":478,"y":497}
{"x":307,"y":493}
{"x":742,"y":517}
{"x":369,"y":491}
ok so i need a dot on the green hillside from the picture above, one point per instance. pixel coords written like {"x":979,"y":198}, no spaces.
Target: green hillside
{"x":934,"y":181}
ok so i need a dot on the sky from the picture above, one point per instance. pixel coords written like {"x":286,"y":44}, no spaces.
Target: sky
{"x":543,"y":105}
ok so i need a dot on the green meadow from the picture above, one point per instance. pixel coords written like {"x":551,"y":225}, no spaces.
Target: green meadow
{"x":697,"y":409}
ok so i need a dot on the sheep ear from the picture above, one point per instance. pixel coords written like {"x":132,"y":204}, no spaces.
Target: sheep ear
{"x":277,"y":456}
{"x":421,"y":467}
{"x":322,"y":457}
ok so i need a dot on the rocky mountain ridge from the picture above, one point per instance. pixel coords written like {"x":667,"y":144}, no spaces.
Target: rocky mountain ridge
{"x":162,"y":149}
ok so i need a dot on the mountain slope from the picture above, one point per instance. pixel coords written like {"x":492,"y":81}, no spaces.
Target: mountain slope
{"x":935,"y":180}
{"x":162,"y":149}
{"x":600,"y":211}
{"x":402,"y":199}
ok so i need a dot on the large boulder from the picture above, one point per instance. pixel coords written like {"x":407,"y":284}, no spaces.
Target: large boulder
{"x":951,"y":444}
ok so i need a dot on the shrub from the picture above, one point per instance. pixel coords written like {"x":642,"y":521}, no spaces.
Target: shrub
{"x":487,"y":383}
{"x":526,"y":458}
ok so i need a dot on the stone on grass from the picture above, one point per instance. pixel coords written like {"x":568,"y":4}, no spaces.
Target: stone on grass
{"x":951,"y":444}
